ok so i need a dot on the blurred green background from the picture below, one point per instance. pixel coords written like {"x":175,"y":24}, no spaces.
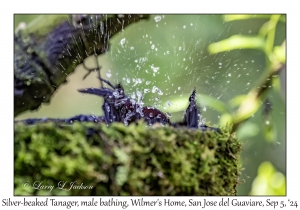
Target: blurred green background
{"x":175,"y":53}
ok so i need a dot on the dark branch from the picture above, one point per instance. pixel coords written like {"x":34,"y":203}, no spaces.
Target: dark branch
{"x":47,"y":51}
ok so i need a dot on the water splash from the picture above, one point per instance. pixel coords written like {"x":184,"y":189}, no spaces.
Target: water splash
{"x":157,"y":18}
{"x":122,"y":42}
{"x":108,"y":74}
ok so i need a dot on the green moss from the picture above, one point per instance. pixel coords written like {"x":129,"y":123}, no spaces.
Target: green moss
{"x":124,"y":160}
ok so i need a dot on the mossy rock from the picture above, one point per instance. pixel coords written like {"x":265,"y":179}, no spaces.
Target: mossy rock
{"x":123,"y":160}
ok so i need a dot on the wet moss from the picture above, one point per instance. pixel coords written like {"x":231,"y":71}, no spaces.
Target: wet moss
{"x":124,"y":160}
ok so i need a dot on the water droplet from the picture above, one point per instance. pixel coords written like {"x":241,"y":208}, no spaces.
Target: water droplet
{"x":148,"y":82}
{"x":146,"y":90}
{"x":108,"y":74}
{"x":179,"y":88}
{"x":152,"y":46}
{"x":157,"y":18}
{"x":122,"y":42}
{"x":155,"y":69}
{"x":204,"y":109}
{"x":168,"y":103}
{"x":168,"y":115}
{"x":128,"y":80}
{"x":184,"y":27}
{"x":157,"y":98}
{"x":168,"y":52}
{"x":229,"y":75}
{"x":267,"y":122}
{"x":131,"y":48}
{"x":159,"y":92}
{"x":140,"y":96}
{"x":154,"y":89}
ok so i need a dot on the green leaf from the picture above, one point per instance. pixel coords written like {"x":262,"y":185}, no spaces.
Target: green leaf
{"x":271,"y":31}
{"x":225,"y":119}
{"x":206,"y":100}
{"x":236,"y":101}
{"x":270,"y":132}
{"x":178,"y":104}
{"x":279,"y":52}
{"x":268,"y":181}
{"x":237,"y":42}
{"x":248,"y":129}
{"x":229,"y":18}
{"x":276,"y":83}
{"x":248,"y":107}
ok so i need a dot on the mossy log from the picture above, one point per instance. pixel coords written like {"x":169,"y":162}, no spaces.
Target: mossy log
{"x":124,"y":160}
{"x":50,"y":47}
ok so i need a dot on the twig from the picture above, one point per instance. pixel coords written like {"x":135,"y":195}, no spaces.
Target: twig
{"x":257,"y":94}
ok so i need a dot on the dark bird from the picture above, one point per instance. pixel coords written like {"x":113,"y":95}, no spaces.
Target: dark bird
{"x":118,"y":107}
